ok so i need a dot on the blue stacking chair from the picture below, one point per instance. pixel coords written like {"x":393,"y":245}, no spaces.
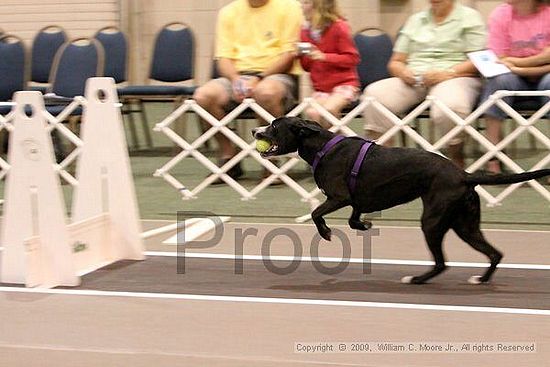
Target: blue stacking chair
{"x":172,"y":64}
{"x":13,"y":70}
{"x":46,"y":43}
{"x":75,"y":62}
{"x":375,"y":48}
{"x":13,"y":73}
{"x":115,"y":46}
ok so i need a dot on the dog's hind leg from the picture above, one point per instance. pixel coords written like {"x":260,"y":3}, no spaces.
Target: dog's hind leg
{"x":355,"y":221}
{"x":434,"y":238}
{"x":327,"y":207}
{"x":435,"y":224}
{"x":467,"y":227}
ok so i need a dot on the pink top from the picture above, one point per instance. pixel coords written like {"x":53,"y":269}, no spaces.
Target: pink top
{"x":519,"y":36}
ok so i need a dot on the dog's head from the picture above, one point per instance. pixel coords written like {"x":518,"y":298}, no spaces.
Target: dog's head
{"x":285,"y":134}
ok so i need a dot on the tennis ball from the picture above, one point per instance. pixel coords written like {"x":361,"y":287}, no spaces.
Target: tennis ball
{"x":262,"y":145}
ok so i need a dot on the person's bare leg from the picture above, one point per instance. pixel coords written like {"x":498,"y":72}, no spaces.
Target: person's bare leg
{"x":494,"y":135}
{"x":333,"y":104}
{"x":313,"y":114}
{"x":270,"y":94}
{"x":212,"y":97}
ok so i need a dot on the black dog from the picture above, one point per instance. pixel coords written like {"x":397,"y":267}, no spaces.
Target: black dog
{"x":388,"y":177}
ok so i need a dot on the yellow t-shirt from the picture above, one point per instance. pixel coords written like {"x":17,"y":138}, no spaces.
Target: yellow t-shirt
{"x":256,"y":37}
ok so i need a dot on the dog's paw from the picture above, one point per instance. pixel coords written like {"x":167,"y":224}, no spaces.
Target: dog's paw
{"x":475,"y":279}
{"x":409,"y":279}
{"x":364,"y":225}
{"x":325,"y":233}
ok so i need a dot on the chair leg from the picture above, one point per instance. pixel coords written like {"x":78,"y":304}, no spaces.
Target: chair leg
{"x":127,"y":109}
{"x":58,"y":146}
{"x":73,"y":124}
{"x":203,"y":129}
{"x":403,"y":138}
{"x":513,"y":145}
{"x":180,"y":126}
{"x":476,"y":147}
{"x":145,"y":124}
{"x":4,"y":138}
{"x":532,"y":142}
{"x":431,"y":131}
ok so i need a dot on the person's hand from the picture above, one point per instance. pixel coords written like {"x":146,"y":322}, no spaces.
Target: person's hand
{"x":243,"y":86}
{"x":510,"y":62}
{"x":239,"y":89}
{"x":433,"y":77}
{"x":316,"y":54}
{"x":407,"y":76}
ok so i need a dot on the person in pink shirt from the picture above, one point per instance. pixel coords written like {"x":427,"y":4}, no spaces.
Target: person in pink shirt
{"x":331,"y":57}
{"x":519,"y":34}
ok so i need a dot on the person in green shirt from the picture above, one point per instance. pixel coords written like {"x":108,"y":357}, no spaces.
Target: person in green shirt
{"x":430,"y":58}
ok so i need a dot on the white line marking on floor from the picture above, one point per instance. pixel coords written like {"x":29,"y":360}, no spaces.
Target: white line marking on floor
{"x":201,"y":255}
{"x":293,"y":301}
{"x":395,"y":227}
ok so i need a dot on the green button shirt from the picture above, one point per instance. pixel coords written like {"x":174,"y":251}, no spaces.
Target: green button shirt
{"x":432,"y":46}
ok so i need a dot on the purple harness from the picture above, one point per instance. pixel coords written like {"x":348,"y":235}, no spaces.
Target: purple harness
{"x":356,"y":166}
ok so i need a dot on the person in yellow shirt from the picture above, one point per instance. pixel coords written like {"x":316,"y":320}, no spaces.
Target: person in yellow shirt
{"x":255,"y":44}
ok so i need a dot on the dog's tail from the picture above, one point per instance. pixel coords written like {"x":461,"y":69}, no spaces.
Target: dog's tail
{"x":480,"y":179}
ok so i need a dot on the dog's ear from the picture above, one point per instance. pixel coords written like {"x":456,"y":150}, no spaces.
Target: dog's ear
{"x":303,"y":128}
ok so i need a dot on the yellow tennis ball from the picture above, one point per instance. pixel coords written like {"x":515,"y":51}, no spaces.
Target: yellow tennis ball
{"x":262,"y":145}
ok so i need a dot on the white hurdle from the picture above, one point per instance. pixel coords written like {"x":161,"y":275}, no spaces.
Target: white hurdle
{"x":40,"y":249}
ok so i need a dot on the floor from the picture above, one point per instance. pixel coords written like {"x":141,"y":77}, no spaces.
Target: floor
{"x":267,"y":287}
{"x":230,"y":305}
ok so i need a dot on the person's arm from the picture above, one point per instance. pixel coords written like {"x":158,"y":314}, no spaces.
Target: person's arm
{"x":531,"y":71}
{"x":398,"y":64}
{"x":225,"y":52}
{"x":347,"y":55}
{"x":464,"y":69}
{"x":289,"y":36}
{"x":397,"y":67}
{"x":282,"y":65}
{"x":305,"y":62}
{"x":227,"y":69}
{"x":540,"y":59}
{"x":498,"y":39}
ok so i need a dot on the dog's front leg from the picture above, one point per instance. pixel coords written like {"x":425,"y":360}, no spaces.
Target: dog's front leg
{"x":355,"y":221}
{"x":327,"y":207}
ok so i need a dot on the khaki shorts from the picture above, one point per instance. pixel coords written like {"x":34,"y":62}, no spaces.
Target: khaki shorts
{"x":289,"y":81}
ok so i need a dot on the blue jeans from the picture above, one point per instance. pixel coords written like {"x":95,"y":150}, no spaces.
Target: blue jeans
{"x":511,"y":82}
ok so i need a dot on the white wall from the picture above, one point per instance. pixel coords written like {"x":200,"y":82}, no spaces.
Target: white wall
{"x":142,"y":19}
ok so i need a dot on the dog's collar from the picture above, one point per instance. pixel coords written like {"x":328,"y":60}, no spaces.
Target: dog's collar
{"x":352,"y":182}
